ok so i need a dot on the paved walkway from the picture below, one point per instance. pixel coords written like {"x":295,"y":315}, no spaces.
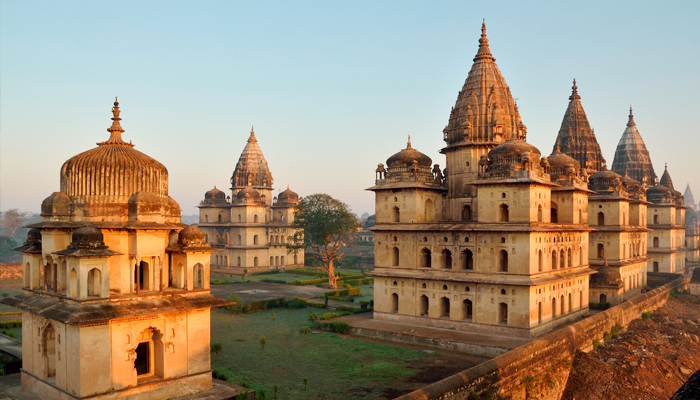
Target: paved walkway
{"x":366,"y":321}
{"x":10,"y":345}
{"x":249,"y":292}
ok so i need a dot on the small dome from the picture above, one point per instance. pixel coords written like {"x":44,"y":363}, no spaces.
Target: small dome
{"x":659,"y":189}
{"x":33,"y":243}
{"x":514,"y":148}
{"x":56,"y":204}
{"x":632,"y":183}
{"x":288,"y":197}
{"x":34,"y":235}
{"x":559,"y":159}
{"x":191,"y":236}
{"x":407,"y":156}
{"x":214,"y":194}
{"x":87,"y":237}
{"x":248,"y":193}
{"x":605,"y":174}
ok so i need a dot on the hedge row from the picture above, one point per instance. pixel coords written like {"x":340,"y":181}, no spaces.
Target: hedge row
{"x":263,"y":304}
{"x":274,"y":271}
{"x":337,"y":326}
{"x":317,"y":305}
{"x":343,"y":292}
{"x":10,"y":324}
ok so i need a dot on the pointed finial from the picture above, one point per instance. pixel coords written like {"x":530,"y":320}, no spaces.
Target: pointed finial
{"x":557,"y":149}
{"x":665,"y":166}
{"x":252,"y":135}
{"x":484,"y":52}
{"x":408,"y":146}
{"x":574,"y":92}
{"x":115,"y":130}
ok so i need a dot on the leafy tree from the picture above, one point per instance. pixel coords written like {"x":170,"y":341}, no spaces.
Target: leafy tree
{"x":313,"y":318}
{"x":304,"y":331}
{"x":323,"y":224}
{"x":273,"y":316}
{"x":12,"y":221}
{"x":6,"y":246}
{"x":216,"y":348}
{"x":263,"y":340}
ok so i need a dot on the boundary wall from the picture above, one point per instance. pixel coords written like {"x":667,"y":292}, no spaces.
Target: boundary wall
{"x":541,"y":367}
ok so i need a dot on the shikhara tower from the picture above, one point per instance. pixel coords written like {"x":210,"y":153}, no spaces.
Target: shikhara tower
{"x":632,"y":157}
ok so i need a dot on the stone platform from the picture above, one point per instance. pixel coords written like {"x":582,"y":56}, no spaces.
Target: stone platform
{"x":474,"y":343}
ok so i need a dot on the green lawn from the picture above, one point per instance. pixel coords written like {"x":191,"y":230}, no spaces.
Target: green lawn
{"x":336,"y":366}
{"x":16,"y":331}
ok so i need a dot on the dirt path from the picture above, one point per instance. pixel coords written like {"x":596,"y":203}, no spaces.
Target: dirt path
{"x":651,"y":360}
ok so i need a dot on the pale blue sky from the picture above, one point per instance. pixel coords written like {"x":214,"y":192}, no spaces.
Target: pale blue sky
{"x":333,"y":88}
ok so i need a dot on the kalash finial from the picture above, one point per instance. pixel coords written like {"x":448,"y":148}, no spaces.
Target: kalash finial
{"x":252,"y":135}
{"x":116,"y":129}
{"x":630,"y":121}
{"x":408,"y":146}
{"x":484,"y":52}
{"x":574,"y":92}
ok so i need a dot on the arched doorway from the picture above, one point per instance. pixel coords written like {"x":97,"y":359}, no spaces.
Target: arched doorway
{"x":198,"y":276}
{"x":503,"y":313}
{"x":49,"y":351}
{"x":467,"y":213}
{"x":503,"y":215}
{"x":603,"y":298}
{"x":149,"y":360}
{"x":425,"y":259}
{"x":396,"y":214}
{"x":554,"y":213}
{"x":429,"y":210}
{"x":395,"y":303}
{"x":424,"y":302}
{"x":467,"y":309}
{"x":446,"y":259}
{"x":503,"y":261}
{"x":467,"y":259}
{"x":94,"y":282}
{"x":601,"y":219}
{"x":395,"y":257}
{"x":445,"y":307}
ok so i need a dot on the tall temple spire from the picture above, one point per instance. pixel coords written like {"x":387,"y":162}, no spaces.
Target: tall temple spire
{"x":252,"y":167}
{"x":408,"y":146}
{"x":632,"y":155}
{"x":576,"y":138}
{"x":116,"y":129}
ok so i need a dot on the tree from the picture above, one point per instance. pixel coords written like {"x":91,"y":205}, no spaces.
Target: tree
{"x":216,"y":348}
{"x":6,"y":246}
{"x":263,"y":340}
{"x":12,"y":221}
{"x":323,"y":224}
{"x":305,"y":330}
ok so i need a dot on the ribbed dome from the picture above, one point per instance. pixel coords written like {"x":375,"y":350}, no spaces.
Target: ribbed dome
{"x":288,"y":197}
{"x":407,"y":156}
{"x":249,"y":194}
{"x":632,"y":155}
{"x":191,"y":236}
{"x":214,"y":193}
{"x":113,"y":168}
{"x":514,"y":148}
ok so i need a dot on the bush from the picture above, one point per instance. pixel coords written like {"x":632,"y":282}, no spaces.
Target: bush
{"x":343,"y":292}
{"x":317,"y":305}
{"x":646,"y":315}
{"x":273,"y":281}
{"x":10,"y":324}
{"x":330,"y":315}
{"x":353,"y":310}
{"x":11,"y":313}
{"x":313,"y":318}
{"x":338,"y":326}
{"x":275,"y":271}
{"x":607,"y":336}
{"x":295,"y":304}
{"x":10,"y":334}
{"x":599,"y":306}
{"x":216,"y":374}
{"x":338,"y":298}
{"x":596,"y":343}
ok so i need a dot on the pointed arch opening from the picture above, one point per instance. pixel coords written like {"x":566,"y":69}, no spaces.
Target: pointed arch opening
{"x":424,"y":303}
{"x":446,"y":259}
{"x":394,"y":256}
{"x":467,"y":309}
{"x":425,"y":258}
{"x":503,"y":213}
{"x":94,"y":283}
{"x":467,"y":259}
{"x":502,"y":261}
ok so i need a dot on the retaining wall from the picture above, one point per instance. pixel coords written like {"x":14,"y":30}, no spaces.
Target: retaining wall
{"x":542,"y":366}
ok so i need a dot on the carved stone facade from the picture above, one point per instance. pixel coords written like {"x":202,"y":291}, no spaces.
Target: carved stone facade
{"x":632,"y":156}
{"x":667,"y":220}
{"x":498,"y":242}
{"x":115,"y":292}
{"x":576,"y":137}
{"x":250,"y":227}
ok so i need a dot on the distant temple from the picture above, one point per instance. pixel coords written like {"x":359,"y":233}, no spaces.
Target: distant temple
{"x":251,"y":226}
{"x":632,"y":157}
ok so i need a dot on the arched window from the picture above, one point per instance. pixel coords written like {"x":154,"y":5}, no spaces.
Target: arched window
{"x":554,"y":307}
{"x":656,"y":219}
{"x":656,"y":266}
{"x":467,"y":259}
{"x":539,"y":213}
{"x":603,"y":298}
{"x":49,"y":354}
{"x":502,"y":261}
{"x":198,"y":276}
{"x":277,"y":260}
{"x":562,"y":305}
{"x":272,"y":261}
{"x":281,"y":260}
{"x":503,"y":291}
{"x":396,"y":214}
{"x":238,"y":261}
{"x":445,"y":307}
{"x":143,"y":276}
{"x":503,"y":213}
{"x":601,"y":218}
{"x":562,"y":259}
{"x":601,"y":250}
{"x":94,"y":282}
{"x":554,"y":259}
{"x":73,"y":283}
{"x":539,"y":312}
{"x":656,"y":242}
{"x":255,"y":218}
{"x":219,"y":217}
{"x":568,"y":259}
{"x":467,"y":309}
{"x":446,"y":259}
{"x":424,"y":305}
{"x":424,"y":286}
{"x":503,"y":313}
{"x":206,"y":218}
{"x":394,"y":283}
{"x":580,"y":216}
{"x":395,"y":303}
{"x":466,"y":213}
{"x":539,"y":261}
{"x":554,"y":213}
{"x":255,"y":239}
{"x":395,"y":257}
{"x":429,"y":210}
{"x":580,"y":256}
{"x":425,"y":261}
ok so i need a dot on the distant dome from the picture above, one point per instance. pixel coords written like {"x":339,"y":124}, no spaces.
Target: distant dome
{"x":33,"y":242}
{"x":514,"y":148}
{"x":215,"y":193}
{"x":191,"y":236}
{"x":407,"y":156}
{"x":659,"y":189}
{"x":605,"y":174}
{"x":57,"y":204}
{"x":113,"y":168}
{"x":559,"y":159}
{"x":34,"y":235}
{"x":288,"y":197}
{"x":87,"y":237}
{"x":249,"y":194}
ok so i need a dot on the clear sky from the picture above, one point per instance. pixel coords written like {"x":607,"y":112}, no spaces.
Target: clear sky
{"x":333,"y":88}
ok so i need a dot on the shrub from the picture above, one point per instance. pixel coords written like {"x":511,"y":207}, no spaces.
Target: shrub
{"x":295,"y":304}
{"x":353,"y":310}
{"x":330,"y":315}
{"x":671,"y":296}
{"x":607,"y":336}
{"x":596,"y":343}
{"x":10,"y":334}
{"x":317,"y":305}
{"x":273,"y":281}
{"x":11,"y":313}
{"x":275,"y":271}
{"x":263,"y":341}
{"x":304,"y":330}
{"x":313,"y":318}
{"x":646,"y":315}
{"x":10,"y":324}
{"x":216,"y":374}
{"x":236,"y":307}
{"x":344,"y":292}
{"x":338,"y":326}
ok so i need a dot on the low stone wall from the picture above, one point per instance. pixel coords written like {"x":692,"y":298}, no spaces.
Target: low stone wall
{"x":542,"y":366}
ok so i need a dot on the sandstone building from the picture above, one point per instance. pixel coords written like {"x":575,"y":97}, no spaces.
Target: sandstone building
{"x":632,"y":156}
{"x":666,"y":218}
{"x":250,"y":227}
{"x":498,"y":241}
{"x":115,"y":293}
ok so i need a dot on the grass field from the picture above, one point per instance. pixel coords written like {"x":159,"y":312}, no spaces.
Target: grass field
{"x":336,"y":366}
